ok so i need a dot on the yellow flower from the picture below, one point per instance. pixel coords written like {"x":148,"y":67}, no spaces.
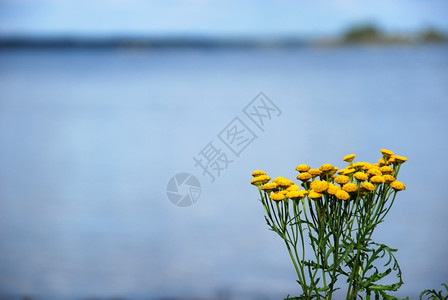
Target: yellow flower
{"x":374,"y":172}
{"x":350,"y":187}
{"x":349,"y":171}
{"x":400,"y":159}
{"x":293,"y":187}
{"x":382,"y":162}
{"x":391,"y":160}
{"x":397,"y":185}
{"x":342,"y":195}
{"x":283,"y":182}
{"x":332,"y":189}
{"x":269,"y":187}
{"x":296,"y":194}
{"x":368,"y":186}
{"x":349,"y":158}
{"x":314,"y":195}
{"x":259,"y":180}
{"x":303,"y":192}
{"x":342,"y":179}
{"x":326,"y":168}
{"x":314,"y":172}
{"x":386,"y":153}
{"x":377,"y":179}
{"x":319,"y":186}
{"x":277,"y":196}
{"x":302,"y":168}
{"x":258,"y":173}
{"x":389,"y":178}
{"x":366,"y":166}
{"x":361,"y":176}
{"x":304,"y":176}
{"x":358,"y":164}
{"x":386,"y":170}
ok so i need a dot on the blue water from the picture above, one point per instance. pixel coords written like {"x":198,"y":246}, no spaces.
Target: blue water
{"x":90,"y":139}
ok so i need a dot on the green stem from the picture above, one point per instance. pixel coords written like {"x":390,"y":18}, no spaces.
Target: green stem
{"x":295,"y":265}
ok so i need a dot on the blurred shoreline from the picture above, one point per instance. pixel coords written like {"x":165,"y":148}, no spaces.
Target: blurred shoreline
{"x":358,"y":35}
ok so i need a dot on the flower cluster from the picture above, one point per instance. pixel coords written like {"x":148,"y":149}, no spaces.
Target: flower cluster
{"x":356,"y":179}
{"x":335,"y":211}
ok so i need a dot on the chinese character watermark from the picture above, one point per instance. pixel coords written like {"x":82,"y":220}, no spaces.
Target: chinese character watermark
{"x":237,"y":136}
{"x":184,"y":189}
{"x":261,"y":109}
{"x":212,"y":161}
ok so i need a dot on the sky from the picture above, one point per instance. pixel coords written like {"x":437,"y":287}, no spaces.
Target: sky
{"x":215,"y":17}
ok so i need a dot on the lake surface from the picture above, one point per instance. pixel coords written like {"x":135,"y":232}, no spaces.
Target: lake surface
{"x":90,"y":139}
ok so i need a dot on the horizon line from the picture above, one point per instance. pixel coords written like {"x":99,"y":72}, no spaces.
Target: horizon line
{"x":198,"y":41}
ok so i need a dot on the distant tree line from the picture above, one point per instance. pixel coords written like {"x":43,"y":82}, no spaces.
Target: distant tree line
{"x":369,"y":33}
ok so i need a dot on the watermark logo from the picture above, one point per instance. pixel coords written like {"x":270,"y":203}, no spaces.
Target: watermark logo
{"x":183,"y":189}
{"x":214,"y":158}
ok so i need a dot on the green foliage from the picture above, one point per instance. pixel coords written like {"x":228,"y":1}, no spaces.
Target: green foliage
{"x":362,"y":33}
{"x":339,"y":233}
{"x":435,"y":295}
{"x":432,"y":35}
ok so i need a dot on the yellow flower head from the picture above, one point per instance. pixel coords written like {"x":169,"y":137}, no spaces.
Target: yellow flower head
{"x":382,"y":162}
{"x":314,"y":172}
{"x":296,"y":194}
{"x":304,"y":176}
{"x":319,"y":186}
{"x":361,"y":176}
{"x":386,"y":170}
{"x":326,"y":168}
{"x":302,"y":168}
{"x":277,"y":196}
{"x":400,"y":159}
{"x":348,"y":171}
{"x":271,"y":186}
{"x":391,"y":160}
{"x":374,"y":172}
{"x":258,"y":173}
{"x":366,"y":166}
{"x":389,"y":178}
{"x":283,"y":182}
{"x":342,"y":195}
{"x":303,"y":192}
{"x":259,"y":180}
{"x":386,"y":153}
{"x":293,"y":187}
{"x":342,"y":179}
{"x":350,"y":187}
{"x":397,"y":185}
{"x":358,"y":165}
{"x":332,"y":189}
{"x":368,"y":186}
{"x":377,"y":179}
{"x":314,"y":195}
{"x":349,"y":158}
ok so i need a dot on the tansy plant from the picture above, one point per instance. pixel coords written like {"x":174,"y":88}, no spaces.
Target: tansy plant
{"x":336,"y":213}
